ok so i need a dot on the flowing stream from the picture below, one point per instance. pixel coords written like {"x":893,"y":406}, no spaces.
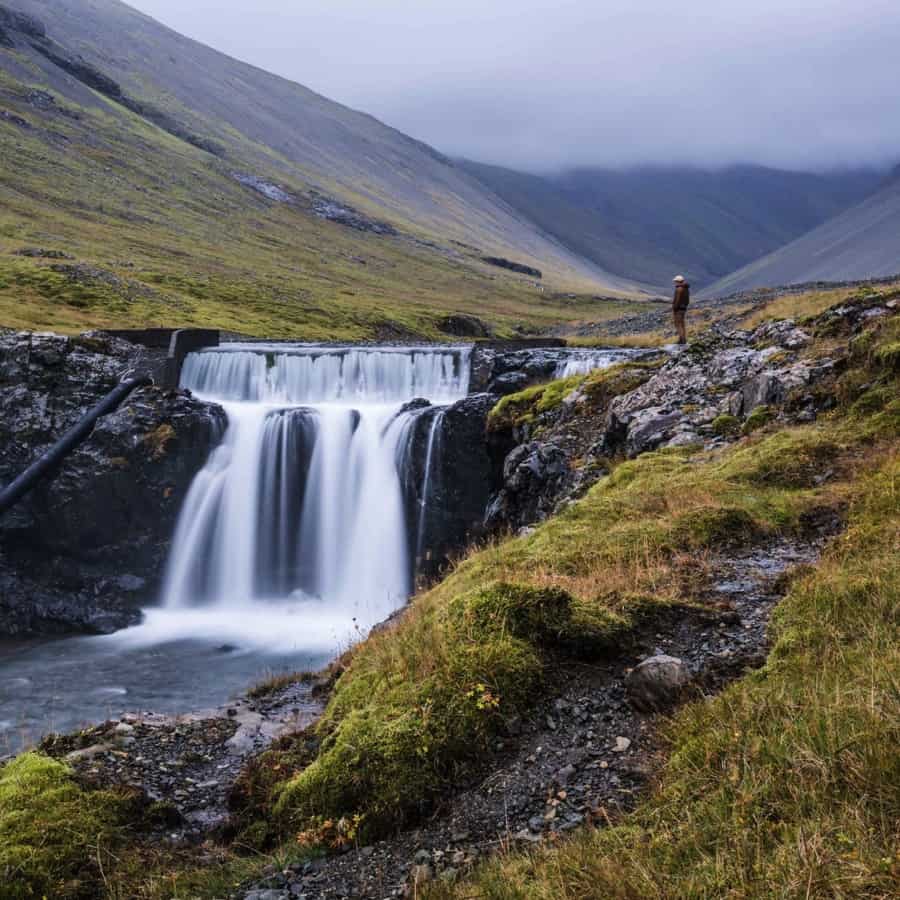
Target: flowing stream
{"x":293,"y":540}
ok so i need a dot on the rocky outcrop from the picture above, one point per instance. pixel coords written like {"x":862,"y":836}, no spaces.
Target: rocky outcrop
{"x":533,"y":476}
{"x":21,"y":30}
{"x":13,"y":21}
{"x":726,"y":383}
{"x":83,"y":549}
{"x":334,"y":211}
{"x":463,"y":325}
{"x":519,"y":268}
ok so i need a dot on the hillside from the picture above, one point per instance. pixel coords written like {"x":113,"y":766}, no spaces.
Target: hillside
{"x":129,"y":147}
{"x":652,"y":222}
{"x":862,"y":242}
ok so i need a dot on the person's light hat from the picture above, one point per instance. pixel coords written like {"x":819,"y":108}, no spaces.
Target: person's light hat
{"x":678,"y":279}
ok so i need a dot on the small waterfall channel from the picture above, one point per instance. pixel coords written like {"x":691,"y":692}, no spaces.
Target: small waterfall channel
{"x":301,"y":506}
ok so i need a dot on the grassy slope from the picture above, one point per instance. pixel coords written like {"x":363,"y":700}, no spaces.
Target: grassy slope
{"x":196,"y":248}
{"x":861,"y":242}
{"x":187,"y":245}
{"x":416,"y":703}
{"x":274,"y":127}
{"x":786,"y":785}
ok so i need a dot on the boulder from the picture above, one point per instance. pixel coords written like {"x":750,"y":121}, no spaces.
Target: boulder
{"x":784,"y":333}
{"x":657,"y":683}
{"x":649,"y":428}
{"x":462,"y":325}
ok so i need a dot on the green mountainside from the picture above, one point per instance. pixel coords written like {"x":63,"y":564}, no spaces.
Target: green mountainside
{"x":190,"y":188}
{"x":653,"y":222}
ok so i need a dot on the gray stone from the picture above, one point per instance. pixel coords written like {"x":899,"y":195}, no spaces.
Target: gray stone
{"x":657,"y":683}
{"x":111,"y":507}
{"x":648,"y":429}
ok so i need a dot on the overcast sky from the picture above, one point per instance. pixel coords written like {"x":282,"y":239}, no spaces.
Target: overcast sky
{"x":548,"y":84}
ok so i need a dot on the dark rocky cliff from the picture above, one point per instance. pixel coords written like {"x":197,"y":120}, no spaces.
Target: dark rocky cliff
{"x":84,"y":548}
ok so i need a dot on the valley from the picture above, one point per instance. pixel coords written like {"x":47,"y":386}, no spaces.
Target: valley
{"x":365,"y":534}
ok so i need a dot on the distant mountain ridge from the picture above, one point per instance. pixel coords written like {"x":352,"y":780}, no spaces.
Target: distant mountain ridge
{"x":862,"y":242}
{"x":653,"y":221}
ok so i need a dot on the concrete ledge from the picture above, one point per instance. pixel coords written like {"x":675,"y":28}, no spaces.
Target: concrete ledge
{"x":176,"y":342}
{"x":185,"y":341}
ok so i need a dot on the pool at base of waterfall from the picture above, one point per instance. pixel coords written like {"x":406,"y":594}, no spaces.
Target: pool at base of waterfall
{"x":63,"y":684}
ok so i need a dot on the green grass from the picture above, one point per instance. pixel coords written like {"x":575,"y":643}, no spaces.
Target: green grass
{"x":400,"y":728}
{"x":419,"y":704}
{"x":788,"y":783}
{"x":787,"y":779}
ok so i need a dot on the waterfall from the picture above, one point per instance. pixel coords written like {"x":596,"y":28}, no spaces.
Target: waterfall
{"x":302,"y":502}
{"x":580,"y":362}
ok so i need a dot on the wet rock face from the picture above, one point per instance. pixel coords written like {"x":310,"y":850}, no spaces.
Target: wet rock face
{"x":463,"y":474}
{"x":83,"y":549}
{"x":533,"y":475}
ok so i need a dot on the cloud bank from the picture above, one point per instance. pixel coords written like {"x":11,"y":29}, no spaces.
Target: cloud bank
{"x":543,"y":85}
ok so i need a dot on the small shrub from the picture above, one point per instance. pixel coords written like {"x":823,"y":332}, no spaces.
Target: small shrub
{"x":757,"y":419}
{"x":726,"y":425}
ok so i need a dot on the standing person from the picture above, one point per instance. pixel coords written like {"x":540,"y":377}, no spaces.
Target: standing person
{"x":680,"y":304}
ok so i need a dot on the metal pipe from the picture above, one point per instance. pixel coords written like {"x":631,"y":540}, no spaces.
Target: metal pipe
{"x":47,"y":464}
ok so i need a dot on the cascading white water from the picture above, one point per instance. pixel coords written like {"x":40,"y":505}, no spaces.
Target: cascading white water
{"x":580,"y":362}
{"x":302,"y":501}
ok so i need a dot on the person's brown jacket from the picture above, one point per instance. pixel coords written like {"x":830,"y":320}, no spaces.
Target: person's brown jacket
{"x":682,"y":296}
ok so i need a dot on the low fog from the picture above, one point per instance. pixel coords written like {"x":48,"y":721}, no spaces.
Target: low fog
{"x":548,"y":84}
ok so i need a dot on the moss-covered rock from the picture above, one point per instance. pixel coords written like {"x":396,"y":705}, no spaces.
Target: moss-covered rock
{"x":54,"y":834}
{"x":524,"y":406}
{"x":387,"y":759}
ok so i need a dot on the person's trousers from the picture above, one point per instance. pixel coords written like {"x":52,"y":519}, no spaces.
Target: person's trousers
{"x":680,"y":326}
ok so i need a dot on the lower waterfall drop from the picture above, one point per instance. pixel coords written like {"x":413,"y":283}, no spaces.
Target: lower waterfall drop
{"x":300,"y":510}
